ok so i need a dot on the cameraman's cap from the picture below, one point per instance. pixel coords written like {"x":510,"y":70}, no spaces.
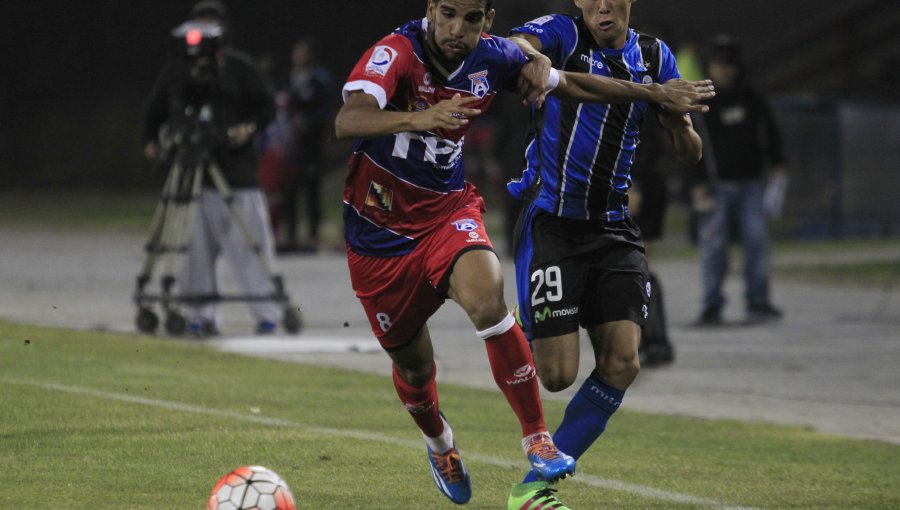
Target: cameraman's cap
{"x":209,"y":9}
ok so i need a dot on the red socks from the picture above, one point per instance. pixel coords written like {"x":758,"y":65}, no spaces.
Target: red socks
{"x":422,"y":403}
{"x":513,"y":369}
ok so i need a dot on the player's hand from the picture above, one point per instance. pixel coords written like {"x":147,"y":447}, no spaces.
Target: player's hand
{"x":534,"y":80}
{"x":240,"y":134}
{"x":448,"y":114}
{"x":680,"y":96}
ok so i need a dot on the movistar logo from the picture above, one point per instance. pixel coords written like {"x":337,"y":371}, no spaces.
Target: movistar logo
{"x":541,"y":315}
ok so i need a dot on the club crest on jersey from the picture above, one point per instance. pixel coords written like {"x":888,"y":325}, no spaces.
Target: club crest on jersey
{"x":480,"y":85}
{"x":381,"y":60}
{"x":379,"y":196}
{"x":466,"y":225}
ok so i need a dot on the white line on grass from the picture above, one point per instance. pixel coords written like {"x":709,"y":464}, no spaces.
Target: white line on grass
{"x":593,"y":481}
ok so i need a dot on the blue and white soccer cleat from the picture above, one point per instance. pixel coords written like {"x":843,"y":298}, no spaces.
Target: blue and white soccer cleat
{"x":450,"y":475}
{"x":546,"y":460}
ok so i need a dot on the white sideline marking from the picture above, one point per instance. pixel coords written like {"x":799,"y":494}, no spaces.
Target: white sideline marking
{"x":294,"y":345}
{"x":593,"y":481}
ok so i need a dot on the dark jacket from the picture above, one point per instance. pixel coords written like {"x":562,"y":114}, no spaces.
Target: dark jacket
{"x":743,"y":136}
{"x":238,"y":95}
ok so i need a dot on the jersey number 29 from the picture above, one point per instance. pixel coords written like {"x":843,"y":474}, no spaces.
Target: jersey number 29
{"x":552,"y":277}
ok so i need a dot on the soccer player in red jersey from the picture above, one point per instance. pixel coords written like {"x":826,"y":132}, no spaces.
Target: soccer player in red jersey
{"x":413,"y":225}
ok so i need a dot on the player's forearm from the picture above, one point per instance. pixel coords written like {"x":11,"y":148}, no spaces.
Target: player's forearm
{"x":529,"y":44}
{"x":688,"y":146}
{"x":372,"y":122}
{"x":591,"y":88}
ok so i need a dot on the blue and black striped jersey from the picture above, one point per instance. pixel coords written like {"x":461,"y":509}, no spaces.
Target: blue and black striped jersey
{"x":582,"y":152}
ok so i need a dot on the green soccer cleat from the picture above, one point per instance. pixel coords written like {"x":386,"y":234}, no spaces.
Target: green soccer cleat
{"x":534,"y":496}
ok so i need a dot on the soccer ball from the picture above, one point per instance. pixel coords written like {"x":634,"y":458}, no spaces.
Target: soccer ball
{"x":251,"y":488}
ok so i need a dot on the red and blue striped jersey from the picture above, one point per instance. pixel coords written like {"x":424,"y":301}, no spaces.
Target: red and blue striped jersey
{"x":400,"y":186}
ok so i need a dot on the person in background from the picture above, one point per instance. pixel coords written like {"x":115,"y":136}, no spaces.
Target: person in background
{"x":745,"y":181}
{"x":310,"y":90}
{"x":231,"y":98}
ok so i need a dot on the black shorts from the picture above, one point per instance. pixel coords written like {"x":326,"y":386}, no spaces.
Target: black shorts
{"x":575,"y":272}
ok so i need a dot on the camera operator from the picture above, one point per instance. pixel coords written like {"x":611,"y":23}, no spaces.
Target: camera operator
{"x":212,"y":97}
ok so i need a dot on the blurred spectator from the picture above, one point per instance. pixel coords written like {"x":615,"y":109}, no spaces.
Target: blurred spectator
{"x":744,"y":142}
{"x":213,"y":93}
{"x":308,"y":108}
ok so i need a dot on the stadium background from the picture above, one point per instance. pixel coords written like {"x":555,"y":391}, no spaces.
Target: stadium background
{"x":75,"y":75}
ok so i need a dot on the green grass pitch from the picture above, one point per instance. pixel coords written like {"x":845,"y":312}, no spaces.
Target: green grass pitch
{"x":100,"y":420}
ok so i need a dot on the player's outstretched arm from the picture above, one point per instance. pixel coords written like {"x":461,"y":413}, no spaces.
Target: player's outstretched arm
{"x":360,"y":117}
{"x":678,"y":96}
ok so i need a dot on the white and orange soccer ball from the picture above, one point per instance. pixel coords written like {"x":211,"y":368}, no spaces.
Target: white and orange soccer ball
{"x":251,"y":488}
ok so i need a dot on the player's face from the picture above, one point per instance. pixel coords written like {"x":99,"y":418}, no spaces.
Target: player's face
{"x":455,"y":26}
{"x":607,"y":20}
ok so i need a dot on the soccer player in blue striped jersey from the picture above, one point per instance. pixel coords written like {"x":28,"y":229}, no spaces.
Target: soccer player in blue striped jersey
{"x":579,"y":256}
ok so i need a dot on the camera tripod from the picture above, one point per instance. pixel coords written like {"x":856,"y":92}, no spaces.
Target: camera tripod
{"x":169,"y":234}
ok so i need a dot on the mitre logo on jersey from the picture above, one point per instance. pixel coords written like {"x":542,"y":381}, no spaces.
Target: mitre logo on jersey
{"x":480,"y":86}
{"x":381,"y":60}
{"x":379,"y":196}
{"x":591,"y":61}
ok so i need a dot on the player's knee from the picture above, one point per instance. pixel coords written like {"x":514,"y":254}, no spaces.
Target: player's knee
{"x":416,"y":376}
{"x":555,"y":380}
{"x":621,"y":369}
{"x":487,"y":313}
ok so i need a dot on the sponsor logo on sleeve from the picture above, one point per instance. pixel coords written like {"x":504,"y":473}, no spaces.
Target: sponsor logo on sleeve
{"x":541,"y":20}
{"x":381,"y":60}
{"x":465,"y":225}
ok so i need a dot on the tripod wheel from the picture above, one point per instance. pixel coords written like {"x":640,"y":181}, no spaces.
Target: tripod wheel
{"x":292,"y":321}
{"x":176,"y":325}
{"x":146,"y":321}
